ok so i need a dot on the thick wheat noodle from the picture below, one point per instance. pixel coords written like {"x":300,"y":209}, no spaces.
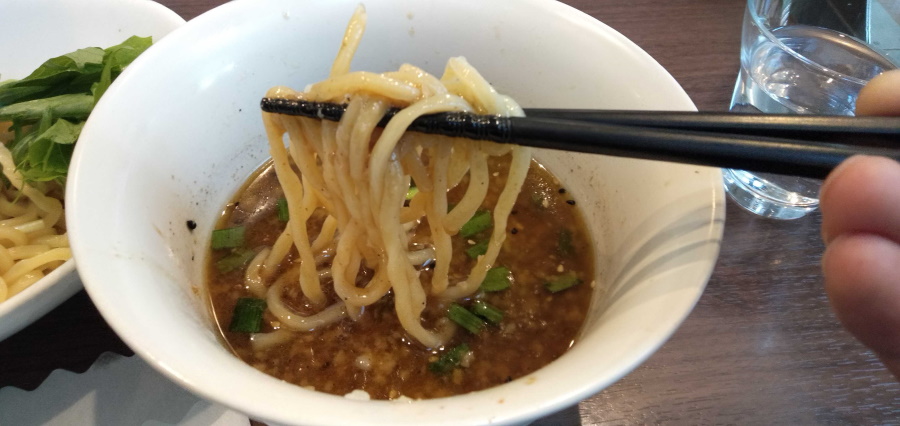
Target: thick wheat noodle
{"x":291,"y":319}
{"x":384,"y":147}
{"x":25,"y":281}
{"x":12,"y":235}
{"x":345,"y":286}
{"x":326,"y":234}
{"x":279,"y":252}
{"x":33,"y":227}
{"x":253,"y":277}
{"x":412,"y":164}
{"x":475,"y":193}
{"x":339,"y":207}
{"x":409,"y":296}
{"x":342,"y":267}
{"x":309,"y":277}
{"x":436,"y":210}
{"x":367,"y":82}
{"x":9,"y":208}
{"x":352,"y":37}
{"x":29,"y":216}
{"x":294,"y":193}
{"x":459,"y":161}
{"x":347,"y":210}
{"x":518,"y":169}
{"x":360,"y":176}
{"x":414,"y":211}
{"x":264,"y":341}
{"x":28,"y":250}
{"x":371,"y":110}
{"x":341,"y":181}
{"x":429,"y":84}
{"x":43,"y":233}
{"x":53,"y":240}
{"x":32,"y":244}
{"x":51,"y":206}
{"x":24,"y":266}
{"x":302,"y":149}
{"x":6,"y":260}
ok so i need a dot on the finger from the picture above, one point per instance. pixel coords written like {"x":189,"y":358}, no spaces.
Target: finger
{"x":881,"y":96}
{"x":862,"y":195}
{"x":861,"y":273}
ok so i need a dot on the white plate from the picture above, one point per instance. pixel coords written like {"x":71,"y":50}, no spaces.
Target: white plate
{"x":95,"y":398}
{"x":32,"y":31}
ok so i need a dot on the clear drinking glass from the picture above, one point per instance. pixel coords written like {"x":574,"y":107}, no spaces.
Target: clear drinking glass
{"x":806,"y":57}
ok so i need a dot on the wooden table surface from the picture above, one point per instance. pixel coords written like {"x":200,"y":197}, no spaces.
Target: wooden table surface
{"x":762,"y":345}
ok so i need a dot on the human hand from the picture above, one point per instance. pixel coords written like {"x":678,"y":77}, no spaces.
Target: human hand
{"x":860,"y":202}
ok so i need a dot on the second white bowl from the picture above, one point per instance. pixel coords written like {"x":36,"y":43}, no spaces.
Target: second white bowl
{"x":34,"y":31}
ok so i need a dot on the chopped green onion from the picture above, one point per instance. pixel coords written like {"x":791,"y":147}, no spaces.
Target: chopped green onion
{"x":248,"y":313}
{"x":234,"y":260}
{"x":228,"y":237}
{"x":465,"y":319}
{"x":479,"y":222}
{"x":283,"y":213}
{"x":449,"y":360}
{"x":488,"y":312}
{"x":411,"y":192}
{"x":564,"y":243}
{"x":477,"y":250}
{"x":496,"y":279}
{"x":561,"y":282}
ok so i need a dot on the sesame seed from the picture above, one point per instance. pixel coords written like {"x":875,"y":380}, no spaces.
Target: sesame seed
{"x":560,"y":268}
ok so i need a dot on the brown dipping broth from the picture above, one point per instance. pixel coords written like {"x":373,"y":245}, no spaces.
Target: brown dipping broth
{"x":546,"y":237}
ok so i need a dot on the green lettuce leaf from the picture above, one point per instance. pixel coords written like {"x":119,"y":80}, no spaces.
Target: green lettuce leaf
{"x":115,"y":59}
{"x":77,"y":106}
{"x":70,"y":73}
{"x":44,"y":155}
{"x":48,"y":108}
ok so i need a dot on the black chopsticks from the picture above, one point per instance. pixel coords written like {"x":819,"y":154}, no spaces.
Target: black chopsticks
{"x":800,"y":145}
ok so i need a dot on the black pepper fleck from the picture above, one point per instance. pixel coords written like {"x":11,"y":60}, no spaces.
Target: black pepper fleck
{"x":570,"y":202}
{"x":514,"y":231}
{"x":191,"y":225}
{"x":514,"y":212}
{"x":562,"y":190}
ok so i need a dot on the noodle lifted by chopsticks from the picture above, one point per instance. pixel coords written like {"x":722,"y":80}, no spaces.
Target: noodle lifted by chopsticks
{"x":360,"y":176}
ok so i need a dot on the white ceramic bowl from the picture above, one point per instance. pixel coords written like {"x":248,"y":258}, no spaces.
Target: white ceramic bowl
{"x":180,"y":131}
{"x":33,"y":31}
